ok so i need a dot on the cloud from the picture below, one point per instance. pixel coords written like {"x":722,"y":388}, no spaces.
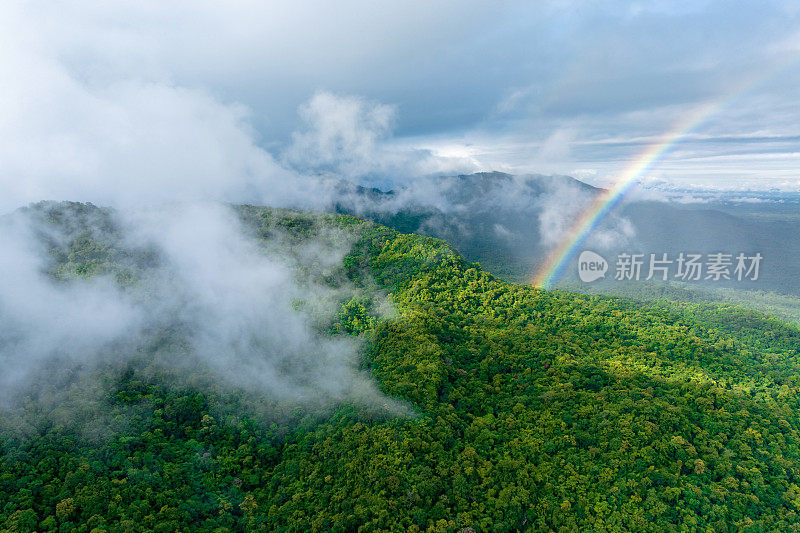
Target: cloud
{"x":561,"y":207}
{"x":116,"y":139}
{"x":238,"y":305}
{"x":133,"y":103}
{"x":341,"y":135}
{"x":557,"y":145}
{"x":123,"y":143}
{"x":347,"y":137}
{"x":214,"y":308}
{"x":270,"y":56}
{"x":41,"y":320}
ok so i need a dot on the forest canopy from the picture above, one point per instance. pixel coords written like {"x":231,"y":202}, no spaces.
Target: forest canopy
{"x":524,"y":409}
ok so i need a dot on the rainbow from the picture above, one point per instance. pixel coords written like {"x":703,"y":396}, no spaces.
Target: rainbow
{"x":557,"y":261}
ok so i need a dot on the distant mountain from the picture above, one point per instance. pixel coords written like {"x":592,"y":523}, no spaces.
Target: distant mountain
{"x":490,"y":217}
{"x":510,"y":223}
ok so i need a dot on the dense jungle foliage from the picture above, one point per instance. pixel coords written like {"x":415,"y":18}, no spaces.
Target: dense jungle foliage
{"x":784,"y":307}
{"x":530,"y":410}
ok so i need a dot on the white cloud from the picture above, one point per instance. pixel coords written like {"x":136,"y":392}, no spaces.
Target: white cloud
{"x":41,"y":320}
{"x":231,"y":301}
{"x":123,"y":143}
{"x":342,"y":135}
{"x":556,"y":148}
{"x":85,"y":84}
{"x":120,"y":139}
{"x":348,"y":137}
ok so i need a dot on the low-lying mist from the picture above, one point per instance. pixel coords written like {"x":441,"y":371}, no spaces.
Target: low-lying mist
{"x":187,"y":291}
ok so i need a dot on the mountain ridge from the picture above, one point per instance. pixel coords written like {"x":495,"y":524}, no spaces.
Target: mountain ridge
{"x":533,"y":410}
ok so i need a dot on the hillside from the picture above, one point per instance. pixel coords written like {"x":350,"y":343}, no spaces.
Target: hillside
{"x":523,"y":409}
{"x":784,"y":307}
{"x":510,"y":223}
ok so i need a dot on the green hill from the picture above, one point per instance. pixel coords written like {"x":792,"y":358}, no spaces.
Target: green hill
{"x":782,"y":306}
{"x":529,"y":410}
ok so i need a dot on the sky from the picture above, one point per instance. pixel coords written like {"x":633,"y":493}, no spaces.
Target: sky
{"x":207,"y":98}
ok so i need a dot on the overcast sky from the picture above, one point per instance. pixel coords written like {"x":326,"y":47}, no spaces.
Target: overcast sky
{"x":98,"y":92}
